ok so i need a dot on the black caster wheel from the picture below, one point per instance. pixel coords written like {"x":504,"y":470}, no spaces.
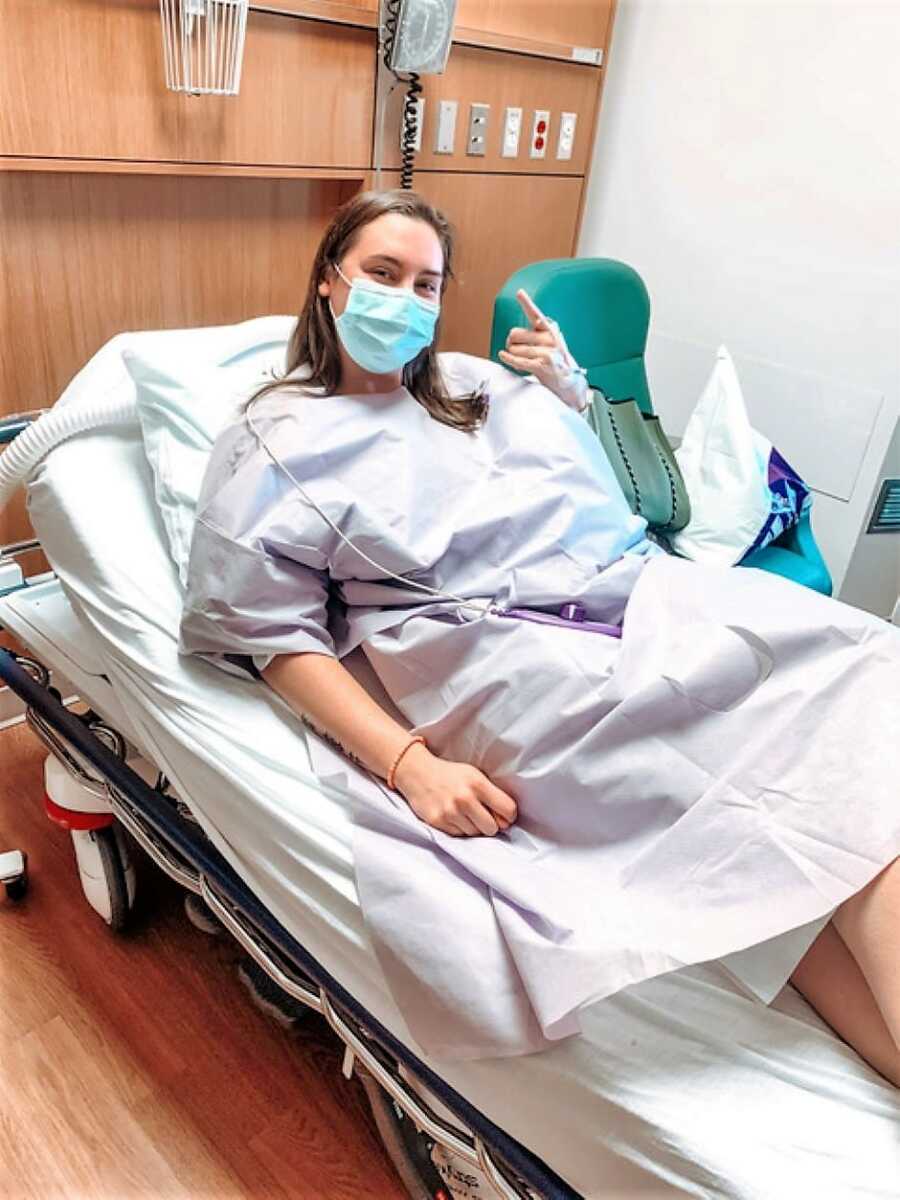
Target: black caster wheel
{"x":107,"y":873}
{"x":407,"y":1148}
{"x":113,"y":865}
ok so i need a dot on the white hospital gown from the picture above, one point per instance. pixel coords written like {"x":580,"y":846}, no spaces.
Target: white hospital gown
{"x":711,"y":787}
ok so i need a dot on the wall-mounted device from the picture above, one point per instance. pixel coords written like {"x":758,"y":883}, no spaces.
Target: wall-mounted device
{"x":566,"y":141}
{"x":885,"y":516}
{"x":203,"y":45}
{"x":540,"y":133}
{"x":446,"y":127}
{"x":512,"y":128}
{"x":478,"y":121}
{"x":416,"y":34}
{"x":415,"y":39}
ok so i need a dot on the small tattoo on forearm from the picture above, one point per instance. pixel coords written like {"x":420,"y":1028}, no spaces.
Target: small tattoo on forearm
{"x":333,"y":740}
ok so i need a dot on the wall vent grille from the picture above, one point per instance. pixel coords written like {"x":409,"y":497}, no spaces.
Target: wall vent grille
{"x":886,"y":513}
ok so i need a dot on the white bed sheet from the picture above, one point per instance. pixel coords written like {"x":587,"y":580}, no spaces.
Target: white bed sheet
{"x":681,"y":1085}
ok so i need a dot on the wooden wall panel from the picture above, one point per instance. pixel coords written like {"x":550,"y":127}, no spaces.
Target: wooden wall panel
{"x":334,"y":10}
{"x":492,"y":243}
{"x":85,"y":79}
{"x":307,"y":97}
{"x":501,"y":79}
{"x":88,"y":256}
{"x":572,"y":22}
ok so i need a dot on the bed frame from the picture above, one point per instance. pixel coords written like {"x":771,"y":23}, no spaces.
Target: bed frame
{"x":95,"y":755}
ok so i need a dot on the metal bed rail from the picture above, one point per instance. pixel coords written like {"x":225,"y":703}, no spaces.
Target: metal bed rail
{"x":179,"y":848}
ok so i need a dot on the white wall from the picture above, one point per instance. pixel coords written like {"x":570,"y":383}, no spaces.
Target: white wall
{"x":747,"y":163}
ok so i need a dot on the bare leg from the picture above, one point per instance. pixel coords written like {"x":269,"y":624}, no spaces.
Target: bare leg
{"x":869,"y":924}
{"x":829,"y":978}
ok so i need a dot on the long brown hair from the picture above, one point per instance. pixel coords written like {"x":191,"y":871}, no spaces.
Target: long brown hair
{"x":314,"y":341}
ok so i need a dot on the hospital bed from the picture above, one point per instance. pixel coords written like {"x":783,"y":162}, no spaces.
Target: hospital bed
{"x":680,"y":1086}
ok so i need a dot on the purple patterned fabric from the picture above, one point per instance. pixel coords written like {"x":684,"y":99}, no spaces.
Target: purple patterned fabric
{"x":790,"y":499}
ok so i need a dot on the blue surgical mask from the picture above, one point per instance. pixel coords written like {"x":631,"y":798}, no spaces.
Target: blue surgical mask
{"x":383,"y":328}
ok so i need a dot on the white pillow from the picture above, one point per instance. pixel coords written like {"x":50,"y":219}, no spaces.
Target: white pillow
{"x":724,"y":462}
{"x":182,"y":408}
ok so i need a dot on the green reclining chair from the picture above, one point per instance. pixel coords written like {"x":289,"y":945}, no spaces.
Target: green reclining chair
{"x":603,"y":309}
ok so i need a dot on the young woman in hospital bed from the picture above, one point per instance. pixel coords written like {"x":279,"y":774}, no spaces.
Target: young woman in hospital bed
{"x":716,"y":780}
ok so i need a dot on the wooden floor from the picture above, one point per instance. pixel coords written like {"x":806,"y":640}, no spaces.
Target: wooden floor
{"x":134,"y":1066}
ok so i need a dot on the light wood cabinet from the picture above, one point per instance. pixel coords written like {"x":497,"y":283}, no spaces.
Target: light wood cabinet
{"x":573,"y":23}
{"x":86,"y":80}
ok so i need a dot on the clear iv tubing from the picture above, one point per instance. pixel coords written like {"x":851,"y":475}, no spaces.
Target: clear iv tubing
{"x":484,"y":609}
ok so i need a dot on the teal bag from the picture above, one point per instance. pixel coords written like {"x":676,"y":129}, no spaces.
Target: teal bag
{"x":643,"y":461}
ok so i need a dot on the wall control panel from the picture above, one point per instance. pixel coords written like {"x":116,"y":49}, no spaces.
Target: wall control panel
{"x":446,"y":127}
{"x":478,"y":124}
{"x":517,"y":127}
{"x":540,"y":133}
{"x":566,"y":141}
{"x":512,"y":128}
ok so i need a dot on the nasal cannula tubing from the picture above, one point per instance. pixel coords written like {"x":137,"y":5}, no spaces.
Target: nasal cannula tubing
{"x":463,"y":603}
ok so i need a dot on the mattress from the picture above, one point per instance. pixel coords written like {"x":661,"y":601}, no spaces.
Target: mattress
{"x":681,"y":1085}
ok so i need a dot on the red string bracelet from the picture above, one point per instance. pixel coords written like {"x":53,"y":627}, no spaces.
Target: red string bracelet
{"x":395,"y":763}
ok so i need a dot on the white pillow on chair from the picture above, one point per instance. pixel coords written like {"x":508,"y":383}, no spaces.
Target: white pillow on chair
{"x":182,"y":408}
{"x":724,"y":464}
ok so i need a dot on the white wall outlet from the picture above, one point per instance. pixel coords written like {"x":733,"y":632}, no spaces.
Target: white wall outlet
{"x":540,"y":133}
{"x":512,"y":127}
{"x":446,"y":127}
{"x":478,"y":121}
{"x":420,"y":118}
{"x":566,"y":139}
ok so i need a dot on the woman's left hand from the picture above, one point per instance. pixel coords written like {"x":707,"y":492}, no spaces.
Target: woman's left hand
{"x":541,"y":350}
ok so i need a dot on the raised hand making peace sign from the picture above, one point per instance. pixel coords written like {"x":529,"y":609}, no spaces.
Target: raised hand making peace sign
{"x":541,"y":350}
